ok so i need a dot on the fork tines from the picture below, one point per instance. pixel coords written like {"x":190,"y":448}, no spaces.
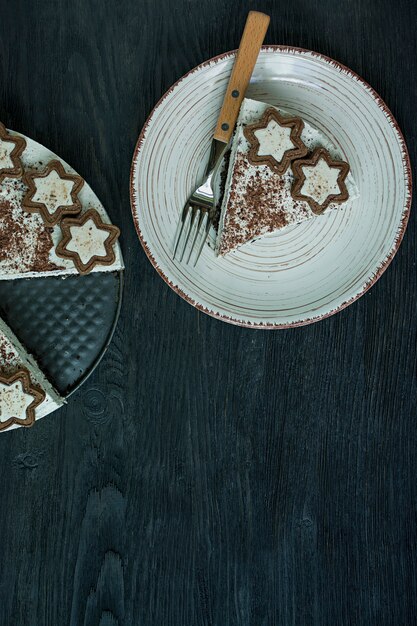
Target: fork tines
{"x":193,"y":227}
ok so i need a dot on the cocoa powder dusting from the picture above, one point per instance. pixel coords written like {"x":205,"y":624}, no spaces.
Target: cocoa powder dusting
{"x":3,"y":353}
{"x":23,"y":248}
{"x":41,"y":262}
{"x":8,"y":360}
{"x":257,"y":210}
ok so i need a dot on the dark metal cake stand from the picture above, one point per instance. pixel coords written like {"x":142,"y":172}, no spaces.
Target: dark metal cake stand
{"x":65,"y":323}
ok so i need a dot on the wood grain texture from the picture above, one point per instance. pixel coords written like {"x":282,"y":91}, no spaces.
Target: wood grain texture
{"x":207,"y":474}
{"x":252,"y":39}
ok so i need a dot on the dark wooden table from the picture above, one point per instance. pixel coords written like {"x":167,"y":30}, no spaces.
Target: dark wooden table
{"x":206,"y":474}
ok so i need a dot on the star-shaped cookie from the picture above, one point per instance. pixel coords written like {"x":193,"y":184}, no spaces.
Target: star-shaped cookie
{"x":275,"y":140}
{"x":87,"y":241}
{"x":11,"y":148}
{"x":18,"y":399}
{"x":53,"y":193}
{"x":320,"y":180}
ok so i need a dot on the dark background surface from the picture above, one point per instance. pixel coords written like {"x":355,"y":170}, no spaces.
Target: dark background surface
{"x":207,"y":474}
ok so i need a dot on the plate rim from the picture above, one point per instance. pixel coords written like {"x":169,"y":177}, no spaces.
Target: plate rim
{"x":385,"y":263}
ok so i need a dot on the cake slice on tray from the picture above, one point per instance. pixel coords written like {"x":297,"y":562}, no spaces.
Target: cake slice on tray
{"x":25,"y":393}
{"x":34,"y":209}
{"x":281,"y":172}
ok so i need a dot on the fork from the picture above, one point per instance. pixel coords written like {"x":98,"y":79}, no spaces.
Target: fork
{"x":200,"y":208}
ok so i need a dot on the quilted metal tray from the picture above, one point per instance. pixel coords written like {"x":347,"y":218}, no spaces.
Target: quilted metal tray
{"x":66,"y":323}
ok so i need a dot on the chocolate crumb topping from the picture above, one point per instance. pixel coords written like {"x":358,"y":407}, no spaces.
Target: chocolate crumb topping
{"x":9,"y":361}
{"x":4,"y":355}
{"x":41,"y":262}
{"x":257,"y":204}
{"x":23,"y":247}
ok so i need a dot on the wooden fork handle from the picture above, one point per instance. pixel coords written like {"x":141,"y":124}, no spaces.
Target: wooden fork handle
{"x":250,"y":45}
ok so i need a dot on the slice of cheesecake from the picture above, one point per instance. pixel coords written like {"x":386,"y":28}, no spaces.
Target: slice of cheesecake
{"x":33,"y":208}
{"x":25,"y":393}
{"x":259,"y":196}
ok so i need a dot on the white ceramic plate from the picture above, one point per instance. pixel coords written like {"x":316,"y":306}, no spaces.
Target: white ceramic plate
{"x":308,"y":271}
